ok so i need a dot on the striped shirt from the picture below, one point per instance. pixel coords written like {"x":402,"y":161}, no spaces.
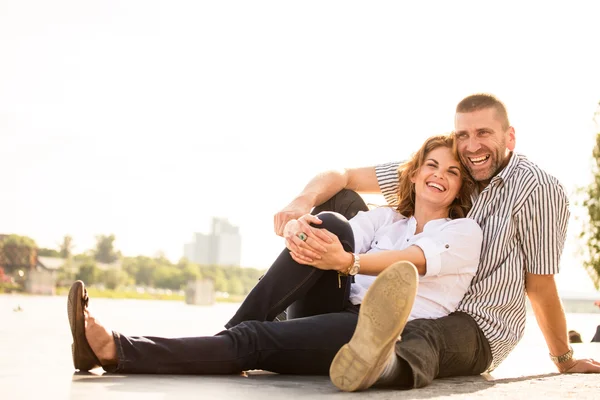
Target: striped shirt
{"x":523,"y":213}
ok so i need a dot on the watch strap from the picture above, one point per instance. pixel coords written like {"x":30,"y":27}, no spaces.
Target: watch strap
{"x":563,"y":358}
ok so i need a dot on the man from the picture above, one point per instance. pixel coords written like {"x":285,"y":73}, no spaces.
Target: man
{"x":523,"y":212}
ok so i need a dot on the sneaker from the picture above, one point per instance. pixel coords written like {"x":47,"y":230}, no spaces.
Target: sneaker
{"x":382,"y":316}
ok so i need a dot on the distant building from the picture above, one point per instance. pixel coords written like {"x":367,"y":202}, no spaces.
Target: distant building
{"x":222,"y":246}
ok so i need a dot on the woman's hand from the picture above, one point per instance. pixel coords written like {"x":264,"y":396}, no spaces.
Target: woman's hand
{"x":313,"y":247}
{"x":334,"y":257}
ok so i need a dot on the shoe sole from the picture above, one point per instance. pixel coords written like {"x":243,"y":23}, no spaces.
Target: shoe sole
{"x":84,"y":358}
{"x":382,"y":317}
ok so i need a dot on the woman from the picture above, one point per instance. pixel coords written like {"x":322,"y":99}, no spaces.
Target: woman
{"x":426,"y":236}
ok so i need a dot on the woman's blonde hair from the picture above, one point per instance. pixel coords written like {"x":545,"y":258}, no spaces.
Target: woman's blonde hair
{"x":406,"y":189}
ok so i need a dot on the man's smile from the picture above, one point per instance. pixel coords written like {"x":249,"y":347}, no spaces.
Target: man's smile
{"x":479,"y":160}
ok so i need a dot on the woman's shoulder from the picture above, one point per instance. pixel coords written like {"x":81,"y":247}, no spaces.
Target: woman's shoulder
{"x":387,"y":212}
{"x":463,"y":223}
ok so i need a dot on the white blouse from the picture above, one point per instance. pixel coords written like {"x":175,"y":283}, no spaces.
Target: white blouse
{"x":451,"y":248}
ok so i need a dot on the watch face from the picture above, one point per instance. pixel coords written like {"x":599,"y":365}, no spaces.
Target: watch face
{"x":353,"y":270}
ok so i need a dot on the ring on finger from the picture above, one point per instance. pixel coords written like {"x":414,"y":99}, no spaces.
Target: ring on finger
{"x":302,"y":236}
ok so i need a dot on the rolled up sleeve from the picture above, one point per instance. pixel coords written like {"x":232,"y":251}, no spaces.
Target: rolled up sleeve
{"x":453,"y":249}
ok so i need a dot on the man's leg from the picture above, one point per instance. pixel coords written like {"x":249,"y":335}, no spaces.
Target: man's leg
{"x":438,"y":348}
{"x":286,"y":281}
{"x":300,"y":346}
{"x":345,"y":202}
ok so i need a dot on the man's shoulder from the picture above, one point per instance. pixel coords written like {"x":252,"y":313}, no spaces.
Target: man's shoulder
{"x":528,"y":171}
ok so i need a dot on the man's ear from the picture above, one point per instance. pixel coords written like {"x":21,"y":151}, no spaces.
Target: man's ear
{"x":510,"y":140}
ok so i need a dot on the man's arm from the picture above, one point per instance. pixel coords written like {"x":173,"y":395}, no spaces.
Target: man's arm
{"x":322,"y":187}
{"x":549,"y":312}
{"x":550,"y":316}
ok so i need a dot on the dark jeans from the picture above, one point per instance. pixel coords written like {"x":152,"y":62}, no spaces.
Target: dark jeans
{"x":449,"y":346}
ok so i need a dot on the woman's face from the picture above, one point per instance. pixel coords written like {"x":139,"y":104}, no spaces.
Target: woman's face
{"x":438,"y":181}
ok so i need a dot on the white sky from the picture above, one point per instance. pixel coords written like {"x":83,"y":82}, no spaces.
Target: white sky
{"x":146,"y":118}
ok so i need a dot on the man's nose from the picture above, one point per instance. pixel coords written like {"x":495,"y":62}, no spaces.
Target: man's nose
{"x":473,"y":145}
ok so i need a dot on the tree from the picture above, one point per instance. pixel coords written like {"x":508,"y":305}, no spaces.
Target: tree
{"x":66,"y":248}
{"x":591,"y":231}
{"x":105,"y":251}
{"x":45,"y":252}
{"x":88,"y":273}
{"x":18,"y":251}
{"x":114,"y":277}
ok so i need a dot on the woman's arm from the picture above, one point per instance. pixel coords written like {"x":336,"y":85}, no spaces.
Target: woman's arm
{"x":374,"y":263}
{"x":454,"y":248}
{"x":336,"y":258}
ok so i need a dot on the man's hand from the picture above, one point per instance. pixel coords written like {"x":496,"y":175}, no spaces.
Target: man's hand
{"x":587,"y":365}
{"x":313,"y":247}
{"x":294,"y":210}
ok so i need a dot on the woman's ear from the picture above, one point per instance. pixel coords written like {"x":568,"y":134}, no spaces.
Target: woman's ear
{"x":412,"y":177}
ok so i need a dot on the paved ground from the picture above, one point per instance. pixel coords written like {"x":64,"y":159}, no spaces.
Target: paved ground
{"x":35,"y":363}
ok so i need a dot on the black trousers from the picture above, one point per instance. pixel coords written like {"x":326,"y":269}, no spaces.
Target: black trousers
{"x":321,"y":321}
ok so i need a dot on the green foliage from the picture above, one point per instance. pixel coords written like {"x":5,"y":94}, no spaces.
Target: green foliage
{"x":591,"y":232}
{"x":67,"y":273}
{"x":89,"y":273}
{"x":157,"y":272}
{"x":66,"y":248}
{"x":105,"y":250}
{"x":21,"y":241}
{"x":114,"y":278}
{"x":44,"y":252}
{"x":17,"y":250}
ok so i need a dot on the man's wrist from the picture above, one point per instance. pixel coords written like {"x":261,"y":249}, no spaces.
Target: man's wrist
{"x":564,"y":361}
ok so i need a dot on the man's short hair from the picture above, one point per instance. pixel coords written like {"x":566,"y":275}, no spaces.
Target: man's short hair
{"x":481,"y":101}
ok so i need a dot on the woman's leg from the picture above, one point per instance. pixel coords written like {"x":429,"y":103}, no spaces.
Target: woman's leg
{"x":320,"y":299}
{"x":286,"y":281}
{"x":301,"y":346}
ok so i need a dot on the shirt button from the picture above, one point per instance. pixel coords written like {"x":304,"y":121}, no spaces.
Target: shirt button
{"x":447,"y":246}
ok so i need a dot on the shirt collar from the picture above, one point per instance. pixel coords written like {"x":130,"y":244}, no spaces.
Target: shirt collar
{"x":510,"y":168}
{"x":504,"y":175}
{"x":433,"y":224}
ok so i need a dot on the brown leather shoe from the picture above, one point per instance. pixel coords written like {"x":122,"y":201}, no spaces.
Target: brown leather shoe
{"x":84,"y":358}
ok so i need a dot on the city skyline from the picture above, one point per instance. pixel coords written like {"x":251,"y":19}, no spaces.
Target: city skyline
{"x":221,"y":246}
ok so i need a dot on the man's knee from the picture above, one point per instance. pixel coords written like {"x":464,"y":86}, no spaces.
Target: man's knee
{"x":346,"y":202}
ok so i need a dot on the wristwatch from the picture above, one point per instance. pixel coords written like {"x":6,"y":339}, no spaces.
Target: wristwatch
{"x":563,"y":358}
{"x":355,"y":267}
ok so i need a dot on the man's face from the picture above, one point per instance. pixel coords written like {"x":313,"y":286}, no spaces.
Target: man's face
{"x":483,"y":144}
